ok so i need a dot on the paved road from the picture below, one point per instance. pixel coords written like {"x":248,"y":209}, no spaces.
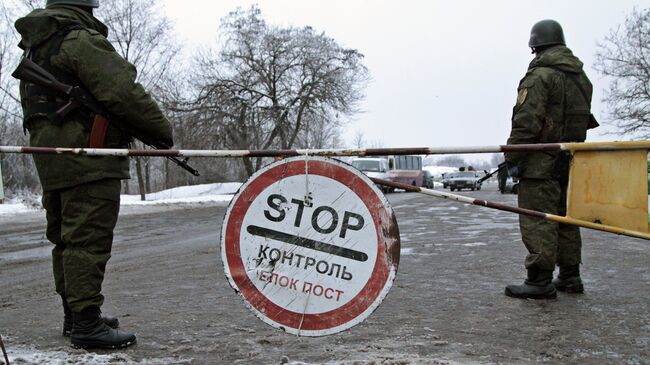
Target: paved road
{"x":166,"y":282}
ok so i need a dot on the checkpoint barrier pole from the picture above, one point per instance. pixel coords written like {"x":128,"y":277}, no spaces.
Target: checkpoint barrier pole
{"x":512,"y":209}
{"x":598,"y":166}
{"x":592,"y":146}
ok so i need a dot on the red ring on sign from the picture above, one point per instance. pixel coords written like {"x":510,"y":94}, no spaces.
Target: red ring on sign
{"x":336,"y":317}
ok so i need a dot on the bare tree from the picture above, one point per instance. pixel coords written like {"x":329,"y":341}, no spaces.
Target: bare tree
{"x":18,"y":170}
{"x":138,"y":30}
{"x":321,"y":131}
{"x":453,"y":161}
{"x":496,"y":159}
{"x":624,"y":57}
{"x":359,"y":140}
{"x":377,"y":143}
{"x":143,"y":36}
{"x":269,"y":86}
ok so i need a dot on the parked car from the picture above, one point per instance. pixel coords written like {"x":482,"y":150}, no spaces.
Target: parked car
{"x":464,"y":180}
{"x":373,"y":167}
{"x":427,"y":181}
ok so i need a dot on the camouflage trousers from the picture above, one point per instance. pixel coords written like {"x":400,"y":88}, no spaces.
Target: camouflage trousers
{"x":548,"y":243}
{"x":80,"y":223}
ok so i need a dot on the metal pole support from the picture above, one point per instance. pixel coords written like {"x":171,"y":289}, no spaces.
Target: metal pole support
{"x":2,"y":192}
{"x":4,"y":351}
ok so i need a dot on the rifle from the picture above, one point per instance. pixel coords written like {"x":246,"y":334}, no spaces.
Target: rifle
{"x":31,"y":72}
{"x":490,"y":174}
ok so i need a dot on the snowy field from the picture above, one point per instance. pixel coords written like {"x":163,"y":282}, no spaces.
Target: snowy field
{"x":219,"y":192}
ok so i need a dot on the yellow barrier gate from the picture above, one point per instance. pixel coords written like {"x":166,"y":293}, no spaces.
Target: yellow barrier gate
{"x":609,"y":188}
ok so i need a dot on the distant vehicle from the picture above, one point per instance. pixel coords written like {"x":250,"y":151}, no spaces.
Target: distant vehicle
{"x":427,"y":180}
{"x":373,"y":167}
{"x":405,"y":170}
{"x":464,"y":180}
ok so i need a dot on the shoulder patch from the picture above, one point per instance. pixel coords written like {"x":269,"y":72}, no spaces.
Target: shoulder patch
{"x":521,"y":95}
{"x":526,"y":83}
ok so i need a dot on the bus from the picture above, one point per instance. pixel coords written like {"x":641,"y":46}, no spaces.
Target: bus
{"x":406,"y":170}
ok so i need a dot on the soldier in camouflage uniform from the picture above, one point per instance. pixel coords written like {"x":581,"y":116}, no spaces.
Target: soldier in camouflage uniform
{"x":553,"y":105}
{"x":81,"y":193}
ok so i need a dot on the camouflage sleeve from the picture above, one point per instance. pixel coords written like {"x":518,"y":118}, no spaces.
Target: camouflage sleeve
{"x":112,"y":80}
{"x":528,"y":114}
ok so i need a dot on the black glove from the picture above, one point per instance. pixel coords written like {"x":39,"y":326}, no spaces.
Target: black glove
{"x":513,"y":169}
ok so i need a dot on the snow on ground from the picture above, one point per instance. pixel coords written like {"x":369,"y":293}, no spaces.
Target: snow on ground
{"x":437,"y":171}
{"x":20,"y":355}
{"x":218,"y":192}
{"x":20,"y":204}
{"x":23,"y":355}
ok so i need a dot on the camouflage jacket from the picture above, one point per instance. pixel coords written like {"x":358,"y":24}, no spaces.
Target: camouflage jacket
{"x":87,"y":56}
{"x":539,"y":114}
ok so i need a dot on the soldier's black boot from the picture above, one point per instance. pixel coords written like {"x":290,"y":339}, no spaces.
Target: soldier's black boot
{"x":90,"y":331}
{"x":569,"y":280}
{"x":537,"y":286}
{"x":112,"y":322}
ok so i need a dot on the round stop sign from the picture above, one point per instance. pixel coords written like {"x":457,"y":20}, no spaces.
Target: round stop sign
{"x":311,"y":245}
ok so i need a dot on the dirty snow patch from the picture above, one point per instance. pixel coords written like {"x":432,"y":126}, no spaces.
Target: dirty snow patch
{"x":406,"y":251}
{"x":221,"y":192}
{"x":19,"y":355}
{"x":15,"y":208}
{"x":20,"y":204}
{"x":475,"y":244}
{"x":196,"y":194}
{"x":441,"y":208}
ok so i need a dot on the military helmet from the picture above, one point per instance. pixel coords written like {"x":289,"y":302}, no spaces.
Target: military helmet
{"x":87,"y":3}
{"x":546,"y":33}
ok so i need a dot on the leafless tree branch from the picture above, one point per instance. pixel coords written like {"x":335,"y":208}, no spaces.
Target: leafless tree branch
{"x":624,"y":57}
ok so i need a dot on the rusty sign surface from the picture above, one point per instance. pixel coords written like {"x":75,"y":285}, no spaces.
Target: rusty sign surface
{"x":311,"y":244}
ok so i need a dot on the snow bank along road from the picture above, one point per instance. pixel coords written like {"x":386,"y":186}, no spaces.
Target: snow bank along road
{"x":166,"y":282}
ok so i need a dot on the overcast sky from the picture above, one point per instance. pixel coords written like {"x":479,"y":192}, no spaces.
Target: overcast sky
{"x":444,"y":73}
